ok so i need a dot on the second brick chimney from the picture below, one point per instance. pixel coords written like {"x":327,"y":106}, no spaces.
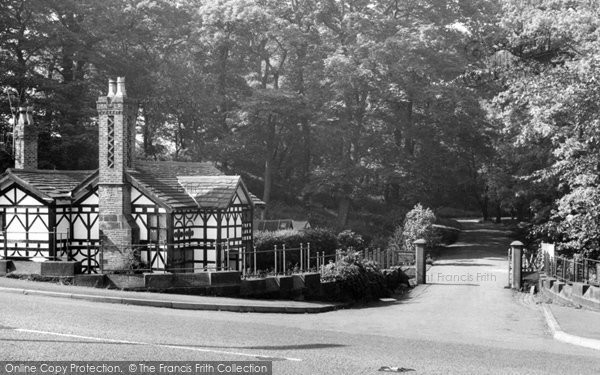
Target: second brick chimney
{"x":26,"y":140}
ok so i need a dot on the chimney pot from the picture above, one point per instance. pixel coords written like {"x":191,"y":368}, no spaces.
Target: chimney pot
{"x":121,"y":87}
{"x":112,"y":88}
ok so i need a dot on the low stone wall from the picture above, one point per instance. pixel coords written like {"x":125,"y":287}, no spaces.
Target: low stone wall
{"x":90,"y":280}
{"x":176,"y":280}
{"x":306,"y":286}
{"x":221,"y":283}
{"x":4,"y":267}
{"x":300,"y":286}
{"x":47,"y":268}
{"x":125,"y":282}
{"x":52,"y":268}
{"x":576,"y":293}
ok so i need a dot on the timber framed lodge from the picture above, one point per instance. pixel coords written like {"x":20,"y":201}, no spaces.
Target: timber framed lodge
{"x":174,"y":216}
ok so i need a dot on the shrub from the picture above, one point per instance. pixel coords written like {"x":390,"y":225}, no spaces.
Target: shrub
{"x":418,"y":223}
{"x":394,"y":277}
{"x":266,"y":240}
{"x":358,"y":279}
{"x":349,"y":239}
{"x":321,"y":240}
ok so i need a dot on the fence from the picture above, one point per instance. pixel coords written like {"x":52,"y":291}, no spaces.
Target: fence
{"x":152,"y":257}
{"x":387,"y":258}
{"x":573,"y":270}
{"x":284,"y":261}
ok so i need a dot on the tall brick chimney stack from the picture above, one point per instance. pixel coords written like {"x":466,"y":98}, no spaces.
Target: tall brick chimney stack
{"x":26,"y":140}
{"x":118,"y":230}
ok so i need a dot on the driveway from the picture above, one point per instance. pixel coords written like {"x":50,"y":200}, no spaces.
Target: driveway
{"x":465,"y":301}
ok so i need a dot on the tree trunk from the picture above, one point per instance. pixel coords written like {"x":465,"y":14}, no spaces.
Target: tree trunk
{"x":147,"y":133}
{"x":343,"y":211}
{"x":392,"y":192}
{"x":269,"y":164}
{"x":498,"y":213}
{"x":484,"y":208}
{"x":306,"y":150}
{"x":404,"y":134}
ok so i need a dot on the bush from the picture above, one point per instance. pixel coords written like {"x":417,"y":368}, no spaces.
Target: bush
{"x":418,"y":223}
{"x":357,"y":278}
{"x":349,"y":239}
{"x":321,"y":240}
{"x":394,"y":277}
{"x":266,"y":240}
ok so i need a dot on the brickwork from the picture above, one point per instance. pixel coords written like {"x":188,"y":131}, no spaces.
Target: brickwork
{"x":26,"y":140}
{"x":118,"y":230}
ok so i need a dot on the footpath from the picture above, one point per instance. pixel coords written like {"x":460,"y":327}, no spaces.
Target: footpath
{"x":174,"y":301}
{"x":577,"y":326}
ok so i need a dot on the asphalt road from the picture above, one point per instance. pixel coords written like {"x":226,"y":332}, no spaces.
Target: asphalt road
{"x":448,"y":327}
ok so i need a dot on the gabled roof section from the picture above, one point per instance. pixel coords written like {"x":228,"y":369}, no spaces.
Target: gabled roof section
{"x":212,"y":191}
{"x":86,"y":186}
{"x":161,"y":188}
{"x":48,"y":184}
{"x":170,"y":184}
{"x":185,"y":184}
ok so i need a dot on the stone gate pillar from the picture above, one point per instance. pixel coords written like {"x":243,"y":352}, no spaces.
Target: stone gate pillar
{"x":516,"y":264}
{"x":420,"y":265}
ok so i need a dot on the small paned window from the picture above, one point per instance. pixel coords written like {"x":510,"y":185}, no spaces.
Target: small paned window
{"x":157,"y":228}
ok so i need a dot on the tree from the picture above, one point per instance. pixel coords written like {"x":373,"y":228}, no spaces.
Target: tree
{"x":550,"y":105}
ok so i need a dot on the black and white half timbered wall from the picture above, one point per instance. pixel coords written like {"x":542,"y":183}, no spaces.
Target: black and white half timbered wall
{"x":214,"y":238}
{"x":152,"y":220}
{"x":27,"y":224}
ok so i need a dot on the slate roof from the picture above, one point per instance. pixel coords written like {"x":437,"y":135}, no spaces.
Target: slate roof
{"x":177,"y":168}
{"x":211,"y":191}
{"x":51,"y":184}
{"x":174,"y":184}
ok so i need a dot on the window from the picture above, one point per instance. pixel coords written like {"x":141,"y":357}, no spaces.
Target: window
{"x":157,"y":228}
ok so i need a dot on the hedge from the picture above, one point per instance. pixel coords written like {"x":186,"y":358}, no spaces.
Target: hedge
{"x":321,"y":240}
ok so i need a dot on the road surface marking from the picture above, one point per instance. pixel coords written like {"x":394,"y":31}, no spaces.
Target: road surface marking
{"x":155,"y":345}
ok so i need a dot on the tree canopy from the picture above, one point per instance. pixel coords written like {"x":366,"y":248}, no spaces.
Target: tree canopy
{"x":361,"y":108}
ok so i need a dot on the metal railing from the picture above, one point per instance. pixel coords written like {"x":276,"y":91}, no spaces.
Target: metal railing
{"x":282,"y":260}
{"x":286,"y":261}
{"x":574,"y":270}
{"x":388,"y":258}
